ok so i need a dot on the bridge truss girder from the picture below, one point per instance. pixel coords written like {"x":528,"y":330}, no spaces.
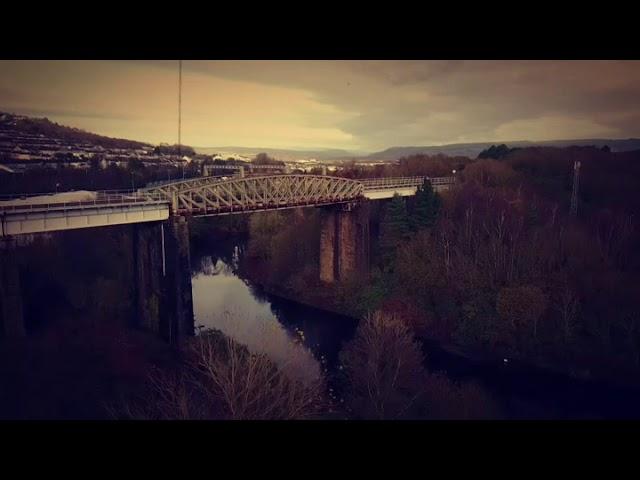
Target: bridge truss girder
{"x":264,"y":193}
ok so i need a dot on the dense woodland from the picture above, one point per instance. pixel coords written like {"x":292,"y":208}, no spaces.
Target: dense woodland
{"x":415,"y":165}
{"x":501,"y":268}
{"x":496,"y":266}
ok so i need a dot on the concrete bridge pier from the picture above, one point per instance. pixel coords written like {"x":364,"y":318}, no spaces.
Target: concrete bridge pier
{"x":11,"y":309}
{"x":344,"y":242}
{"x":177,"y":286}
{"x":163,"y":300}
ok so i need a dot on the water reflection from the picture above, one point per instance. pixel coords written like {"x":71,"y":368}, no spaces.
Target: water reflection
{"x":302,"y":341}
{"x":305,"y":341}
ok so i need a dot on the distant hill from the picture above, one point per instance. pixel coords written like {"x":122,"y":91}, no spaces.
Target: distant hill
{"x":18,"y":124}
{"x":472,"y":150}
{"x":457,"y":149}
{"x":280,"y":153}
{"x":11,"y":124}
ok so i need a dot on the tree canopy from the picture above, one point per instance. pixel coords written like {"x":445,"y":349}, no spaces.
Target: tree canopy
{"x":427,"y":205}
{"x":264,"y":159}
{"x":496,"y":152}
{"x":395,"y":226}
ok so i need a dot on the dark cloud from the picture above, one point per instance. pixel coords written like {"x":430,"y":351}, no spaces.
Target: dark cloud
{"x":365,"y":104}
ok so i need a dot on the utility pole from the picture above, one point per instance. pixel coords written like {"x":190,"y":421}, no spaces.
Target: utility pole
{"x":179,"y":105}
{"x":574,"y":194}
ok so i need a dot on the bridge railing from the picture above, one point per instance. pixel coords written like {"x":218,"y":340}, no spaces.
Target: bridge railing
{"x":399,"y":182}
{"x":161,"y":183}
{"x":442,"y":180}
{"x":65,"y":200}
{"x":250,"y":166}
{"x":31,"y":203}
{"x":22,"y":196}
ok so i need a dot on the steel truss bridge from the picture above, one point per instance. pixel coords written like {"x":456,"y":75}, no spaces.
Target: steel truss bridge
{"x":202,"y":196}
{"x":215,"y":196}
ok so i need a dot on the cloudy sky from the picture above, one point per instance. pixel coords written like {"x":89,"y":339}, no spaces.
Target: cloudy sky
{"x":353,"y":105}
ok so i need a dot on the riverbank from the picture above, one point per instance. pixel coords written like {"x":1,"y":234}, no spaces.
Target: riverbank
{"x":316,"y":294}
{"x":472,"y":362}
{"x":542,"y":390}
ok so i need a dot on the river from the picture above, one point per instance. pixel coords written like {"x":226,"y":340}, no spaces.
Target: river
{"x":306,"y":342}
{"x":302,"y":340}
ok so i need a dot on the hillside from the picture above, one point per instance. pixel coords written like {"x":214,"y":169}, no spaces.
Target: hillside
{"x":40,"y":133}
{"x":11,"y":125}
{"x":472,"y":150}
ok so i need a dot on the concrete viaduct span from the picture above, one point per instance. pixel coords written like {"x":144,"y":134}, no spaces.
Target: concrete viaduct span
{"x":158,"y":215}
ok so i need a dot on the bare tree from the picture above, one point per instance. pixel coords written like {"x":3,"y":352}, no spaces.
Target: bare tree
{"x":250,"y":385}
{"x":383,"y":368}
{"x":567,"y":304}
{"x":168,"y":395}
{"x":221,"y":379}
{"x":522,"y":306}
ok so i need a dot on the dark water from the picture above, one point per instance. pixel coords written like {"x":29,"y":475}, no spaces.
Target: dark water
{"x":305,"y":341}
{"x":302,"y":340}
{"x":525,"y":392}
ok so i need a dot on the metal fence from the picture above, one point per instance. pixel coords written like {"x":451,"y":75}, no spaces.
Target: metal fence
{"x":160,"y":183}
{"x":399,"y":182}
{"x":100,"y":199}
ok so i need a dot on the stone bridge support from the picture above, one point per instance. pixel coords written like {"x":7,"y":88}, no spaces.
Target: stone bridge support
{"x":163,"y":299}
{"x":344,"y":242}
{"x":11,"y":311}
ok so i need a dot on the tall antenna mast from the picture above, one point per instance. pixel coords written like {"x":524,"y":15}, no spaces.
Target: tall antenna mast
{"x":574,"y":194}
{"x":179,"y":106}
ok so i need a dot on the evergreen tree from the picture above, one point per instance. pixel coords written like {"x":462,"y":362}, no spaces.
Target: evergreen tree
{"x":427,"y":205}
{"x":496,"y":152}
{"x":396,"y":226}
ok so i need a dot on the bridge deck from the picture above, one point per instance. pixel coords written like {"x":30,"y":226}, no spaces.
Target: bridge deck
{"x":34,"y":214}
{"x":202,"y":196}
